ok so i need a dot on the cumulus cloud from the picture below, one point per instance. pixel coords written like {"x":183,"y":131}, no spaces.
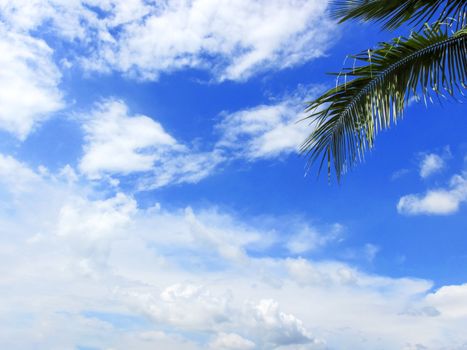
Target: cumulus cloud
{"x":262,"y":322}
{"x":29,"y":81}
{"x":436,"y":202}
{"x":277,"y":327}
{"x":207,"y":311}
{"x":450,"y":301}
{"x":146,"y":39}
{"x":118,"y":143}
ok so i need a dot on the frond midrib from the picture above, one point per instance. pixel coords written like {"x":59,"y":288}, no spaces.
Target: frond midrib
{"x":381,"y":75}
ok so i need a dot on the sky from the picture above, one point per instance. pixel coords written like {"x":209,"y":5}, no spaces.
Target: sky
{"x":153,"y":196}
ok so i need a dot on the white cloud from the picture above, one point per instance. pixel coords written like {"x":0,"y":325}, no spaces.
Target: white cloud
{"x":198,"y":33}
{"x":310,"y":239}
{"x":450,"y":301}
{"x":207,"y":311}
{"x":433,"y":202}
{"x":75,"y":262}
{"x":398,"y":174}
{"x":90,"y":225}
{"x":29,"y":81}
{"x":231,"y":341}
{"x":430,"y":164}
{"x":182,"y":167}
{"x":263,"y":321}
{"x":436,"y":202}
{"x":119,"y":143}
{"x":125,"y":11}
{"x":202,"y":34}
{"x":65,"y":17}
{"x":67,"y":251}
{"x":264,"y":131}
{"x":276,"y":327}
{"x":16,"y":175}
{"x":149,"y":38}
{"x":371,"y":251}
{"x":184,"y":279}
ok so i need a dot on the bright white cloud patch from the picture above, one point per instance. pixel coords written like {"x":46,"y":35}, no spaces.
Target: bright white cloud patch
{"x":80,"y":269}
{"x":28,"y":83}
{"x":450,"y":301}
{"x":438,"y":201}
{"x":147,"y":38}
{"x":119,"y":143}
{"x":430,"y":164}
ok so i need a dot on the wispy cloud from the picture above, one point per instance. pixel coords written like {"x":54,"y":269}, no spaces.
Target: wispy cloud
{"x":309,"y":239}
{"x":398,"y":174}
{"x":430,"y":164}
{"x":265,"y":131}
{"x":29,"y":82}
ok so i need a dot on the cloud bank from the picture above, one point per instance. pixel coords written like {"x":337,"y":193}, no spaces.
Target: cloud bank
{"x":77,"y":264}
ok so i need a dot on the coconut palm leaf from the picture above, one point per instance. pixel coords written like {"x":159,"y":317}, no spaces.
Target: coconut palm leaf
{"x":395,"y":12}
{"x":347,"y":118}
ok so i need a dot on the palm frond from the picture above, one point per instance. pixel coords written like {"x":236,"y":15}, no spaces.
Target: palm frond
{"x":347,"y":118}
{"x":394,"y":13}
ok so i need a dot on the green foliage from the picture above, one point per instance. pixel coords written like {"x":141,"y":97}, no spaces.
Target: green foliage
{"x":394,"y":13}
{"x":375,"y":93}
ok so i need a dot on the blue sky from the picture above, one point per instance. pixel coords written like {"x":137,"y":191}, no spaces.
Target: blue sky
{"x":152,"y":195}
